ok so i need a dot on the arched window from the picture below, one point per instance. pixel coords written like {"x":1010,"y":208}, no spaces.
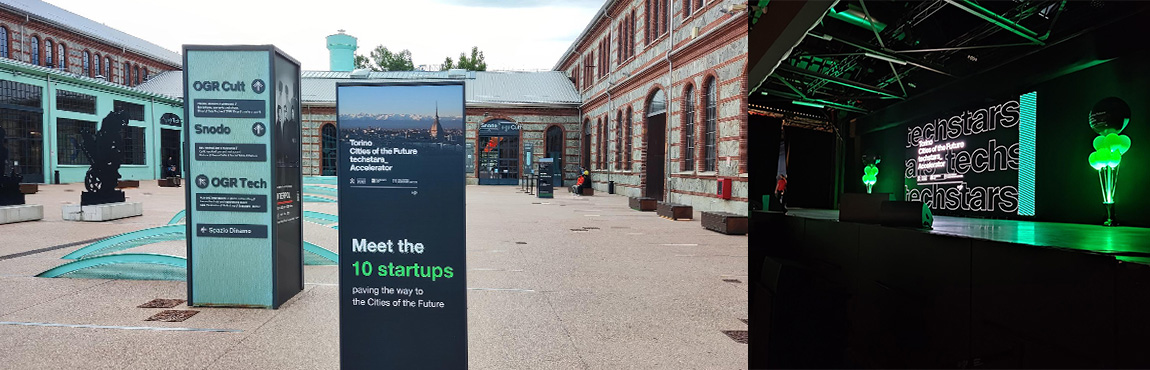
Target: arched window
{"x":586,"y":157}
{"x":63,"y":57}
{"x":108,"y":68}
{"x":97,"y":67}
{"x":136,"y":75}
{"x":619,"y":140}
{"x":688,"y":162}
{"x":4,"y":42}
{"x":328,"y":150}
{"x":628,"y":154}
{"x":710,"y":156}
{"x":49,"y":53}
{"x":127,"y":73}
{"x":145,"y":74}
{"x":87,"y":63}
{"x":554,"y":142}
{"x":631,"y":36}
{"x":35,"y":50}
{"x":602,"y":144}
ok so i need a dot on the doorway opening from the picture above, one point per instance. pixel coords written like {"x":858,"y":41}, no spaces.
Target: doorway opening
{"x":656,"y":138}
{"x":498,"y":153}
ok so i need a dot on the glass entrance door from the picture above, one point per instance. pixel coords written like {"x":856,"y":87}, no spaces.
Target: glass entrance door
{"x":24,"y":141}
{"x":498,"y":160}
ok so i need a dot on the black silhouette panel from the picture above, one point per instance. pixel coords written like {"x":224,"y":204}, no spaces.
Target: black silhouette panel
{"x":105,"y":152}
{"x":10,"y":194}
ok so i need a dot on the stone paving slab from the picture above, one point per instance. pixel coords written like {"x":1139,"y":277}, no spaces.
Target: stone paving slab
{"x":630,"y":291}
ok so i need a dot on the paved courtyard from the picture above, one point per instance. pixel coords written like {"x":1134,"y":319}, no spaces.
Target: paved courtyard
{"x":564,"y":283}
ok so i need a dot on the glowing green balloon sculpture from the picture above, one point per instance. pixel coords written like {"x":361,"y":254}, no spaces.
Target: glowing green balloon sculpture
{"x":1108,"y":118}
{"x":870,"y":176}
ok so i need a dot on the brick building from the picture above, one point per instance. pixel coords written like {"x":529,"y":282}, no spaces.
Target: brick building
{"x":664,"y":105}
{"x":60,"y":74}
{"x":512,"y":120}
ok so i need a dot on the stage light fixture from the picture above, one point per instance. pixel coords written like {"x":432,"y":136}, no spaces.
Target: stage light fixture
{"x":886,"y":58}
{"x":806,"y":103}
{"x":856,"y":17}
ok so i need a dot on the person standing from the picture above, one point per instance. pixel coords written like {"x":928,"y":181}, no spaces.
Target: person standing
{"x":781,"y":189}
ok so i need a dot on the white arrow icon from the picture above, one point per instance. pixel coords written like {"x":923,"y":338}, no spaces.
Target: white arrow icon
{"x":203,"y":229}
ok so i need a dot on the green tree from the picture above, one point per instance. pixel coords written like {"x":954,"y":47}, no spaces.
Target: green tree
{"x":473,"y":63}
{"x":383,"y":59}
{"x":447,"y":64}
{"x":362,"y":62}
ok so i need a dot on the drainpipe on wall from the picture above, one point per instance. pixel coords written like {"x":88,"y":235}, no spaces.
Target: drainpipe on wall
{"x":46,"y":128}
{"x":610,"y":83}
{"x":670,"y":99}
{"x":157,"y":136}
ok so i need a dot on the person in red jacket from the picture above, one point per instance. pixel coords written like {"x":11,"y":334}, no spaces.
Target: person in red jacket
{"x":781,"y":188}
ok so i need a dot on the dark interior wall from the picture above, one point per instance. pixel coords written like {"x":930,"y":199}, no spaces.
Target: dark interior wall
{"x":889,"y":146}
{"x":811,"y":168}
{"x":763,"y":156}
{"x":1067,"y":187}
{"x":1069,"y":80}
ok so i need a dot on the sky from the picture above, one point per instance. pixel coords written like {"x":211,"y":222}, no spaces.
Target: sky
{"x":401,"y":100}
{"x":513,"y":34}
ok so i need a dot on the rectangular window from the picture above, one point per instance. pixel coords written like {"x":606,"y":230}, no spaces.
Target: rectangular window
{"x":647,"y":24}
{"x":135,"y":111}
{"x":68,"y":139}
{"x":20,"y":94}
{"x":134,"y":149}
{"x":75,"y":102}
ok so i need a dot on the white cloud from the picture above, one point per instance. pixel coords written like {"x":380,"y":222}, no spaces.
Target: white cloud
{"x":510,"y":35}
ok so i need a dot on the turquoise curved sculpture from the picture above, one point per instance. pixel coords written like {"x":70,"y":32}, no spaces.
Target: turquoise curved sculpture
{"x":178,"y":218}
{"x":130,"y":240}
{"x":116,"y":259}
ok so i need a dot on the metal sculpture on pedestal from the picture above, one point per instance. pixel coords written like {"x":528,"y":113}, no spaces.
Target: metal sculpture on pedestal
{"x":10,"y":194}
{"x":104,"y":151}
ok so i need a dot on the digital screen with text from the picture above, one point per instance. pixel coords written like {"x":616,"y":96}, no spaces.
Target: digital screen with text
{"x":966,"y":163}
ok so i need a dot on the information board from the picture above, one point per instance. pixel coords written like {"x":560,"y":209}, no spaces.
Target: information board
{"x":967,"y":163}
{"x":242,"y":148}
{"x":402,"y":265}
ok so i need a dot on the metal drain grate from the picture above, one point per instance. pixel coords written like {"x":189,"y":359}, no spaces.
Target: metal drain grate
{"x":162,"y":303}
{"x":736,"y":281}
{"x":172,"y":315}
{"x":737,"y":335}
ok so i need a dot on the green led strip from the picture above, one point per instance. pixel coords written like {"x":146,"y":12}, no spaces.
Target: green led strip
{"x":1027,"y":139}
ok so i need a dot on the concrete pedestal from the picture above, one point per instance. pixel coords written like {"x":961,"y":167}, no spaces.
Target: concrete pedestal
{"x":102,"y":212}
{"x":21,"y":213}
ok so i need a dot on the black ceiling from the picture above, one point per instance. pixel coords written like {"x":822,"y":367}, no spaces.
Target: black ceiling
{"x":932,"y":43}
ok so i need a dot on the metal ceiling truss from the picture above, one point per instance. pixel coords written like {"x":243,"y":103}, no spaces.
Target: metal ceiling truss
{"x":807,"y":76}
